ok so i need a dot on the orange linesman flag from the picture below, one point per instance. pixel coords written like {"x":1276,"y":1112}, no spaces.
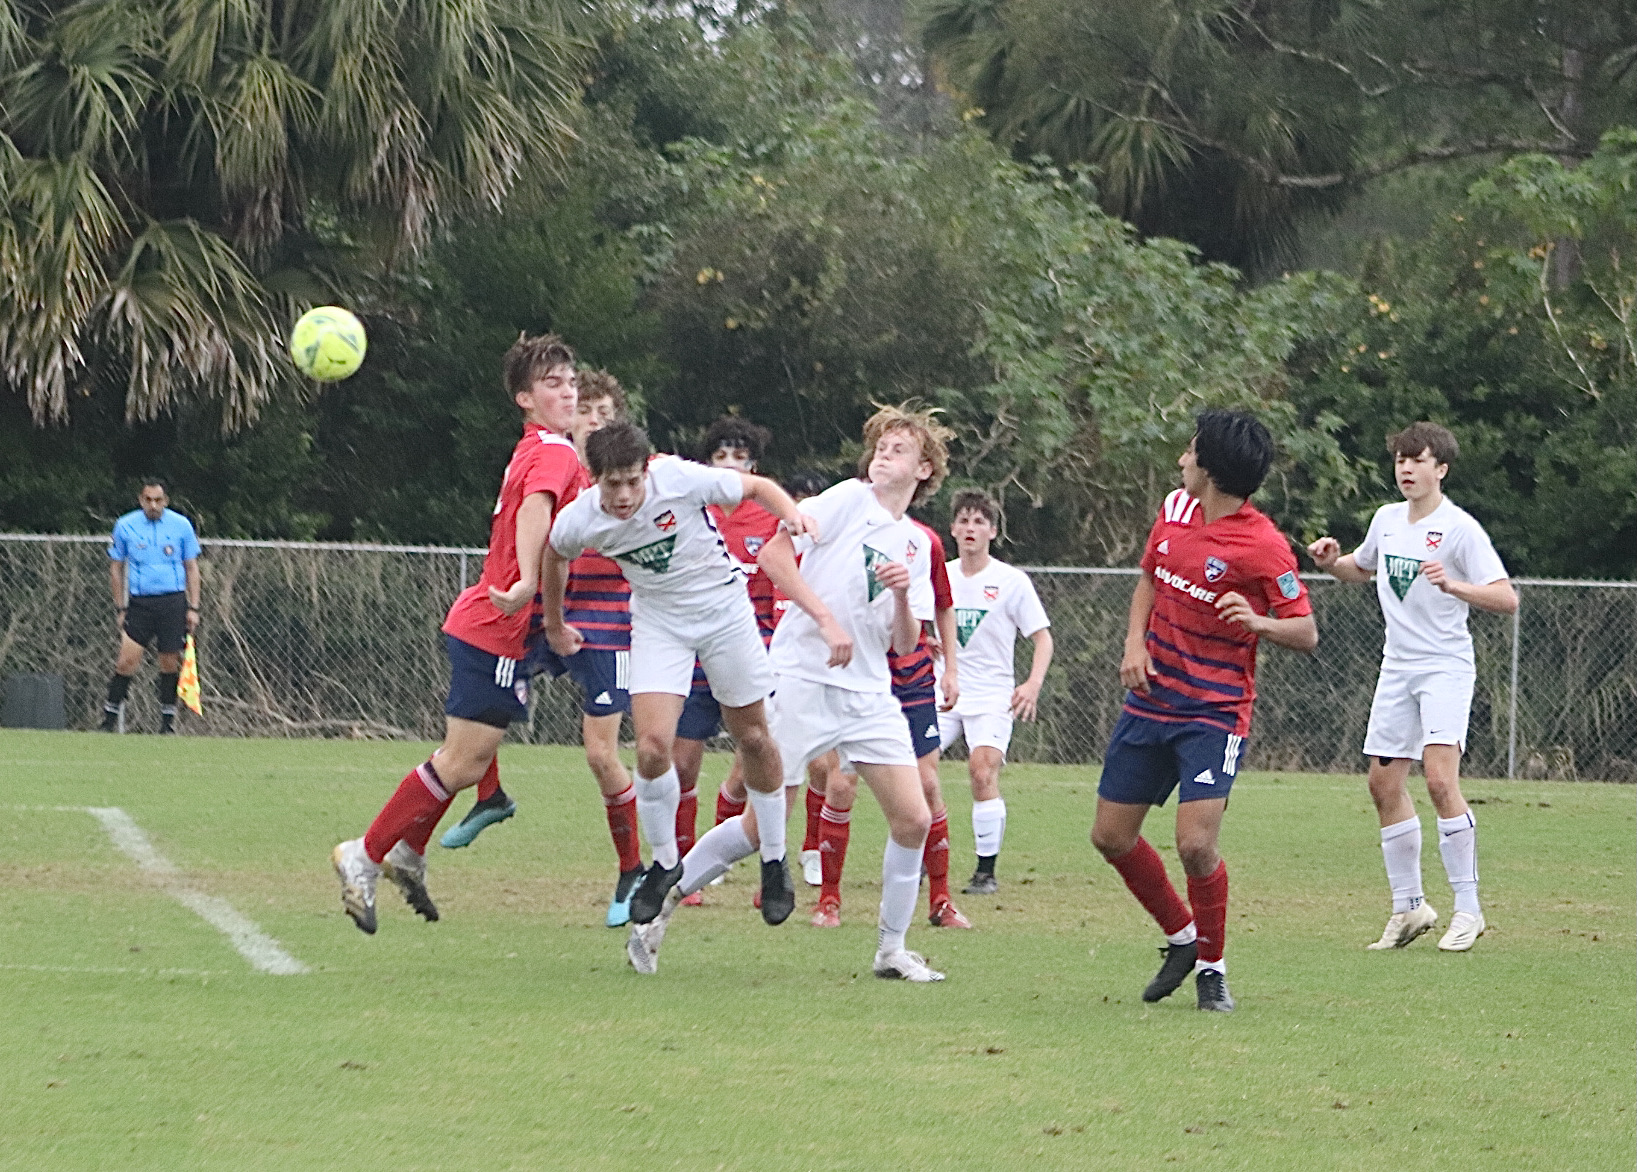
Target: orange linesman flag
{"x":187,"y":687}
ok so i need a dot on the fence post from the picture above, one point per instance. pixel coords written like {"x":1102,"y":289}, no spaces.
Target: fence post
{"x":463,"y":572}
{"x":1512,"y":705}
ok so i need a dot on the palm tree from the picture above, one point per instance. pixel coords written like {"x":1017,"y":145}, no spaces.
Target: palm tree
{"x":178,"y":176}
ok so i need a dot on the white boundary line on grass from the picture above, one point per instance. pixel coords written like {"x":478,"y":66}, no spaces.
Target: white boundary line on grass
{"x":261,"y":950}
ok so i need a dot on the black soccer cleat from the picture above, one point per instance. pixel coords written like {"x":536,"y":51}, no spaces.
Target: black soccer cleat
{"x":110,"y":720}
{"x":778,"y":897}
{"x":1213,"y":991}
{"x":649,"y":897}
{"x":981,"y":883}
{"x":1178,"y":963}
{"x":167,"y":724}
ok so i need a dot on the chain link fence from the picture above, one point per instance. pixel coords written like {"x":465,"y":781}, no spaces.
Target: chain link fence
{"x":319,"y":639}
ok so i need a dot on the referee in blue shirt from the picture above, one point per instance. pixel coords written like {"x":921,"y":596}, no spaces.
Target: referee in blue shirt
{"x":154,"y":574}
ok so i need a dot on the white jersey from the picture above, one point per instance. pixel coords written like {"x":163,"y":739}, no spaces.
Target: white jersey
{"x":1426,"y":628}
{"x":669,"y":548}
{"x":992,"y":608}
{"x":856,"y":533}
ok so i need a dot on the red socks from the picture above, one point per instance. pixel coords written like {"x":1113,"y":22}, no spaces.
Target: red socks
{"x":622,"y":826}
{"x":687,"y":819}
{"x":815,"y":803}
{"x":726,"y":807}
{"x":412,"y":812}
{"x":489,"y":784}
{"x":935,"y":857}
{"x":1210,"y":899}
{"x":835,"y":826}
{"x":1144,"y":873}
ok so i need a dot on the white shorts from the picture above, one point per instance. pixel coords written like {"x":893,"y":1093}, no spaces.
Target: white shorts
{"x":982,"y":729}
{"x":1416,"y":708}
{"x":724,"y":639}
{"x":813,"y":718}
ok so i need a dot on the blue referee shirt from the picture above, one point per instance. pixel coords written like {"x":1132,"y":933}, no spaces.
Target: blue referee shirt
{"x":153,"y":551}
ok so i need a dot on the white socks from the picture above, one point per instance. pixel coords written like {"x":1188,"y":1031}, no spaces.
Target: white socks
{"x":657,"y":800}
{"x":769,"y":821}
{"x":717,"y":849}
{"x":1458,"y":843}
{"x":989,"y":826}
{"x":900,"y":887}
{"x":1187,"y":936}
{"x":1401,"y":848}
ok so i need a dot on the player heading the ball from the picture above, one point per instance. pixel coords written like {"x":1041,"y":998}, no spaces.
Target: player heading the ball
{"x":1432,"y":562}
{"x":688,"y":601}
{"x":1217,"y":579}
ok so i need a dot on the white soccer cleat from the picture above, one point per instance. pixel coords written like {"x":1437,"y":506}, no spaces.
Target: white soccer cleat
{"x":904,"y":965}
{"x":812,"y":868}
{"x":1464,"y":930}
{"x":1403,"y":927}
{"x":642,"y":946}
{"x":405,"y":867}
{"x":358,"y":876}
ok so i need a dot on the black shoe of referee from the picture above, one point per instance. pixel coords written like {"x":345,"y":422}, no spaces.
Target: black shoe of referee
{"x":1178,"y":963}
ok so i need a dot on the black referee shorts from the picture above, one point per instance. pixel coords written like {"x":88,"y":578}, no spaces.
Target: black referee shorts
{"x":158,"y":616}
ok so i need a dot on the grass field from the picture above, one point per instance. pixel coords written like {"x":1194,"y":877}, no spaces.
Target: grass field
{"x":512,"y":1034}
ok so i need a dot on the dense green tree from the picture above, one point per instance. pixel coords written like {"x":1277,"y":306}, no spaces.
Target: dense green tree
{"x":1220,"y":121}
{"x":176,"y":175}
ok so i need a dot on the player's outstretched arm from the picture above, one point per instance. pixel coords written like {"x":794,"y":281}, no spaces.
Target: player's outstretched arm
{"x":560,"y":637}
{"x":1326,"y":554}
{"x":533,"y":524}
{"x":948,"y":639}
{"x":1136,"y":668}
{"x":1497,"y":597}
{"x":906,"y":629}
{"x":777,"y":560}
{"x":775,"y":500}
{"x":1026,"y":697}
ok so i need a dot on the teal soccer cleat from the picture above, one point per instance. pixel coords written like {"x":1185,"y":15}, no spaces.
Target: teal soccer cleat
{"x":485,"y":814}
{"x":619,"y":908}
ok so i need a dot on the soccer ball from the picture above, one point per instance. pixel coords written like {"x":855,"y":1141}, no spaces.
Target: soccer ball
{"x":327,"y":344}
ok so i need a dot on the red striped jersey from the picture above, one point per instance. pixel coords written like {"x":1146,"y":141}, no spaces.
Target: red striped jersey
{"x":542,"y":461}
{"x":1206,"y":667}
{"x":597,"y":602}
{"x":746,"y":530}
{"x":914,"y":672}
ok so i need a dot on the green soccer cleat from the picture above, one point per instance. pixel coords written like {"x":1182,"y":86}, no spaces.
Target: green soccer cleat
{"x":481,"y":816}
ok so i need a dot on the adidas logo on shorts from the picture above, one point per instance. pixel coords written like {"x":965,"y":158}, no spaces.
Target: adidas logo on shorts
{"x":603,"y":698}
{"x":1205,"y":777}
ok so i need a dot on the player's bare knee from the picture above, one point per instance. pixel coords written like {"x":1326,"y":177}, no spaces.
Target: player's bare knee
{"x":1110,"y":842}
{"x":910,"y":827}
{"x":1199,"y":856}
{"x":653,"y":756}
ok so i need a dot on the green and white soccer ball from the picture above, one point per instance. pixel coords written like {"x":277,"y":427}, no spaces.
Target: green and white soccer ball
{"x":328,"y":343}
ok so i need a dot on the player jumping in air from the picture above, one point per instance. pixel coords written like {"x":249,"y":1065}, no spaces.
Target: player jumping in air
{"x":1431,"y":562}
{"x":598,"y":604}
{"x":486,"y":629}
{"x":864,"y":586}
{"x":994,"y":604}
{"x":688,"y":602}
{"x":915,"y":685}
{"x":1217,"y":578}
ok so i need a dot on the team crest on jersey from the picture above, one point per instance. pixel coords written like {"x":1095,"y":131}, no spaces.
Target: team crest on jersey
{"x":990,"y":593}
{"x":1214,"y":569}
{"x":909,"y":553}
{"x":1434,"y":539}
{"x":665,"y":522}
{"x":1402,"y":573}
{"x":655,"y":558}
{"x":872,"y":558}
{"x":753,"y":545}
{"x":1288,"y":584}
{"x":966,"y":622}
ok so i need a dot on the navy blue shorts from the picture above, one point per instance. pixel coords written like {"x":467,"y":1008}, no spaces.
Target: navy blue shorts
{"x":920,"y":707}
{"x":602,"y":675}
{"x":489,"y":689}
{"x":701,"y":715}
{"x":1147,"y":759}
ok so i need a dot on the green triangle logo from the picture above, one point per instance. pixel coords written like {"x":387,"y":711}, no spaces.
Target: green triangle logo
{"x":655,"y":558}
{"x":966,"y":621}
{"x":1402,"y":573}
{"x":872,"y":558}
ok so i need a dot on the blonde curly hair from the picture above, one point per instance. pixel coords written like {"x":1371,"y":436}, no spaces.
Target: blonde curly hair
{"x":922,"y":423}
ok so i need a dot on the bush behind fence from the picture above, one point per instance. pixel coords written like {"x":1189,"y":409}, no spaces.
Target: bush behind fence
{"x":339,"y":640}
